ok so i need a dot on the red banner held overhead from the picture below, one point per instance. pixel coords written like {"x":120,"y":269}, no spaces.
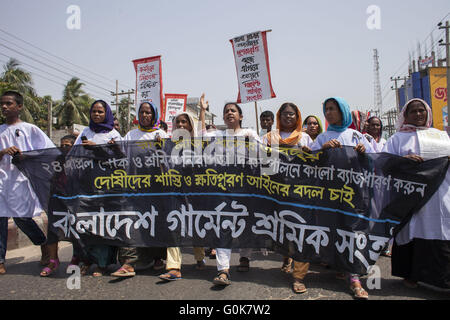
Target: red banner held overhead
{"x":174,"y":104}
{"x":252,"y":65}
{"x":149,"y":82}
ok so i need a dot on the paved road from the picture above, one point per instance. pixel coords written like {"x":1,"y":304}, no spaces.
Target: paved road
{"x":263,"y":282}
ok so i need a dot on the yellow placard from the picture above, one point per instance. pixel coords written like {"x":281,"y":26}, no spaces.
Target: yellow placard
{"x":438,"y":93}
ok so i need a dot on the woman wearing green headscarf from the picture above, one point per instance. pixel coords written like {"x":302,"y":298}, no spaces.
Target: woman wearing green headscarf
{"x":313,"y":126}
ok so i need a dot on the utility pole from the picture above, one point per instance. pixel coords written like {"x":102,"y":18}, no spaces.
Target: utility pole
{"x":396,"y":91}
{"x":389,"y":126}
{"x":447,"y":61}
{"x":49,"y":120}
{"x":405,"y":85}
{"x":128,"y":112}
{"x":117,"y":97}
{"x":117,"y":94}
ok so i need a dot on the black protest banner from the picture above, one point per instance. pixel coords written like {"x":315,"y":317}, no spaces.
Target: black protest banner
{"x":334,"y":206}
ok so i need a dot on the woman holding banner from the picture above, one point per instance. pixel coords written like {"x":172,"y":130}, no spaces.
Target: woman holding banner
{"x":148,"y":129}
{"x":374,"y":127}
{"x":232,"y":117}
{"x":421,"y":250}
{"x":338,"y":134}
{"x":100,"y":131}
{"x":374,"y":132}
{"x":289,"y":134}
{"x":184,"y":126}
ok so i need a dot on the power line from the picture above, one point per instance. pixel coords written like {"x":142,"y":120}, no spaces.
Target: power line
{"x":55,"y":76}
{"x":35,"y":54}
{"x":386,"y":91}
{"x":402,"y":65}
{"x":49,"y":66}
{"x":55,"y":56}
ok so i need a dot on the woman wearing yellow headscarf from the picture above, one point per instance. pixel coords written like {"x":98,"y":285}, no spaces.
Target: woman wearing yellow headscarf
{"x":289,"y":134}
{"x":289,"y":128}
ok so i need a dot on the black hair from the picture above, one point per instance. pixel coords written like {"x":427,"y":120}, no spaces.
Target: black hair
{"x":411,"y":102}
{"x":237,"y":106}
{"x":70,"y":137}
{"x":337,"y":105}
{"x":103,"y":103}
{"x":289,"y":104}
{"x":381,"y":122}
{"x":17,"y":96}
{"x":268,"y":114}
{"x":305,"y":122}
{"x":162,"y":125}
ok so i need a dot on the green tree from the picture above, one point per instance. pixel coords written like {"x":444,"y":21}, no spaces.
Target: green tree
{"x":122,"y":116}
{"x":16,"y":78}
{"x":74,"y":107}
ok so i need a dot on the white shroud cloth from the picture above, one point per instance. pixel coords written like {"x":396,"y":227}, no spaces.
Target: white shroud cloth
{"x":17,"y":198}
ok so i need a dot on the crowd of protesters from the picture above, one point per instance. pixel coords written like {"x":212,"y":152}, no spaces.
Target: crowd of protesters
{"x":411,"y":252}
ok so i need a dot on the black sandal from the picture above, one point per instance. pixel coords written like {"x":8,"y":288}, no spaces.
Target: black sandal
{"x":222,"y":281}
{"x":244,"y":265}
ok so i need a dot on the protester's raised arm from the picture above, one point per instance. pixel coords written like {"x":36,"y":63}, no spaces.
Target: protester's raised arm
{"x":203,"y":107}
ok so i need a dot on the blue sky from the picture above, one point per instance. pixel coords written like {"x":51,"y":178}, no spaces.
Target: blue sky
{"x":316,"y":49}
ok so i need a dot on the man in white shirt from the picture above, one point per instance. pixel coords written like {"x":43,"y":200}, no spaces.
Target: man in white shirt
{"x":17,"y":198}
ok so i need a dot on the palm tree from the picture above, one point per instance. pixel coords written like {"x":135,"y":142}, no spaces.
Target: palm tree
{"x":74,"y":107}
{"x":16,"y":78}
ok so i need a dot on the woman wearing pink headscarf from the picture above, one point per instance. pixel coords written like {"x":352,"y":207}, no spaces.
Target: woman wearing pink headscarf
{"x":421,"y":250}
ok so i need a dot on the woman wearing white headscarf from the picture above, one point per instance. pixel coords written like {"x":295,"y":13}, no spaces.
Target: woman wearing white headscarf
{"x":374,"y":132}
{"x":421,"y":249}
{"x":182,"y":121}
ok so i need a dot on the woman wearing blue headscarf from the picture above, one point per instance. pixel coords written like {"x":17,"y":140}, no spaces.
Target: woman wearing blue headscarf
{"x":100,"y":131}
{"x":130,"y":257}
{"x":338,"y":134}
{"x":148,"y":128}
{"x":339,"y":118}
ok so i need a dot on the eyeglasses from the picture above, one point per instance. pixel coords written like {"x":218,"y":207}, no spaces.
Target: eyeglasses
{"x":288,"y":114}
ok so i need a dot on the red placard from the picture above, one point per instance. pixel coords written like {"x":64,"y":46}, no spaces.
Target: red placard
{"x":173,"y":105}
{"x":252,"y":67}
{"x":149,"y":82}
